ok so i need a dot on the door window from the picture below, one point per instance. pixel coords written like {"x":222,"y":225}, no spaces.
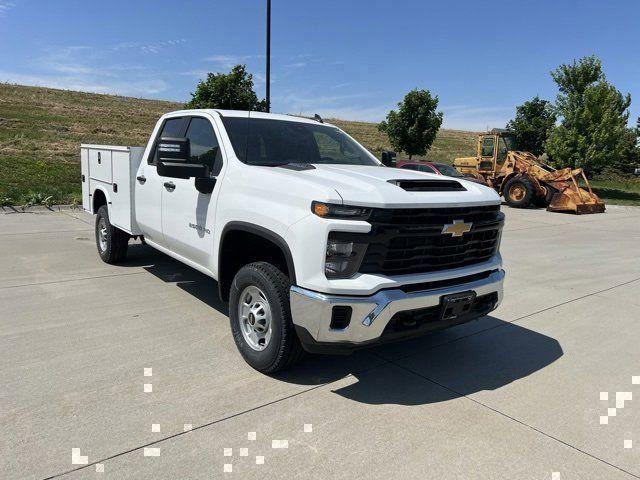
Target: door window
{"x":502,"y":150}
{"x":426,"y":168}
{"x":487,"y":147}
{"x":204,"y":145}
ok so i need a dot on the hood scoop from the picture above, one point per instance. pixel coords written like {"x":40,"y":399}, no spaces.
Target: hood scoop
{"x":429,"y":185}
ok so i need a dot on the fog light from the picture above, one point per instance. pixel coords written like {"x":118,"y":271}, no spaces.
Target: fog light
{"x":335,"y":268}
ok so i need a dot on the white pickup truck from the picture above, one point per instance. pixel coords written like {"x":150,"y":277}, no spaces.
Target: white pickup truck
{"x":315,"y":244}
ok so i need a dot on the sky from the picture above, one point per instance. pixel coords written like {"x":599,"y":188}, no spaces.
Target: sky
{"x":348,"y":59}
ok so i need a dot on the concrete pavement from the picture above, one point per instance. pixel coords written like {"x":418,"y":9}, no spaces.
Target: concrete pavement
{"x":519,"y":394}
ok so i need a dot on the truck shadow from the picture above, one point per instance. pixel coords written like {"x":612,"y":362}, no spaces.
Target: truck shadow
{"x":486,"y":354}
{"x":169,"y":270}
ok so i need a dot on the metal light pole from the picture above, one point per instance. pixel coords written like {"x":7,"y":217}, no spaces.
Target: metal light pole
{"x":268,"y":56}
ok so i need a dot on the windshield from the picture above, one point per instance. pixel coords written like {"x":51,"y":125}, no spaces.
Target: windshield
{"x":260,"y":141}
{"x":448,"y":170}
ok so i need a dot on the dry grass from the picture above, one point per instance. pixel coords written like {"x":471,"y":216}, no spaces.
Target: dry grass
{"x":41,"y":129}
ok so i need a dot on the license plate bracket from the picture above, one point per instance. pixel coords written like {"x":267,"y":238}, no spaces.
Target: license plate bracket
{"x":457,"y":304}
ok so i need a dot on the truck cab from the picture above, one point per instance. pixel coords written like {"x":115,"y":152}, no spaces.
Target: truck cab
{"x":316,"y":245}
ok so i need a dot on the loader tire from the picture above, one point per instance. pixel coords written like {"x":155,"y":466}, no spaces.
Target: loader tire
{"x":112,"y":242}
{"x":519,"y":192}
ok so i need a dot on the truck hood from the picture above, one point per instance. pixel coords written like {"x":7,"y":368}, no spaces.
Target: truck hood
{"x":370,"y":186}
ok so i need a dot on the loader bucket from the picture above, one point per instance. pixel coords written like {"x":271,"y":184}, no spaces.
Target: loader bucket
{"x":570,"y":197}
{"x":576,"y":201}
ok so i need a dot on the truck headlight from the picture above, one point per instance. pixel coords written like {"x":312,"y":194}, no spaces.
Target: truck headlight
{"x":340,"y":212}
{"x":343,"y":257}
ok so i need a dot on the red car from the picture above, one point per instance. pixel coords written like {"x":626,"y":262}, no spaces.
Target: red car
{"x":437,"y":168}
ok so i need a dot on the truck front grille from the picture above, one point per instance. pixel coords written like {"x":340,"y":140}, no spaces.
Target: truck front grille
{"x":409,"y":241}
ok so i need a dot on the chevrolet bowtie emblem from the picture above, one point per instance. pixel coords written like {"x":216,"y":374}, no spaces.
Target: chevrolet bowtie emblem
{"x":457,"y":228}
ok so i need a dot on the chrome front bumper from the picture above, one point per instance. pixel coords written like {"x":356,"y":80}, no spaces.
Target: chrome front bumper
{"x":312,"y":311}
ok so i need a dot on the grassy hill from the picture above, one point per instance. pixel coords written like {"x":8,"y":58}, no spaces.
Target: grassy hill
{"x":41,"y":129}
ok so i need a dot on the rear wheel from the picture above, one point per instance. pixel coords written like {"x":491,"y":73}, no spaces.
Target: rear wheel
{"x":519,"y":192}
{"x":112,"y":242}
{"x":260,"y":318}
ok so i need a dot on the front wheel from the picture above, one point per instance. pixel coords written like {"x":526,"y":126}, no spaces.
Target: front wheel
{"x":519,"y":192}
{"x":112,"y":242}
{"x":260,"y":318}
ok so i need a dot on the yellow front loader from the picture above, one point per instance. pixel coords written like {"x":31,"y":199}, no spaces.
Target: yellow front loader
{"x":524,"y":181}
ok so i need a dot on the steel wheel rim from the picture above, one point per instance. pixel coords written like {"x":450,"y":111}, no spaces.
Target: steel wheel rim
{"x":517,"y":192}
{"x":102,"y":234}
{"x":254,"y":318}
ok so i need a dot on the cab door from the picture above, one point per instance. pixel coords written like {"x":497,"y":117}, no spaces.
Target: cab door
{"x":487,"y":154}
{"x":188,"y":216}
{"x":148,"y":184}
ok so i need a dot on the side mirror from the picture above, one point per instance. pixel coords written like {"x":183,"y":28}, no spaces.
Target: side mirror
{"x":205,"y":185}
{"x":388,"y":158}
{"x":174,"y":155}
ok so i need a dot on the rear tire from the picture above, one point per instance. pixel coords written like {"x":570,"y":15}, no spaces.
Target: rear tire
{"x":260,"y":318}
{"x":519,"y":192}
{"x":112,"y":242}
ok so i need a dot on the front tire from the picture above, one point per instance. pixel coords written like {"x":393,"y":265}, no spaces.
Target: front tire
{"x":112,"y":242}
{"x":519,"y":192}
{"x":260,"y":318}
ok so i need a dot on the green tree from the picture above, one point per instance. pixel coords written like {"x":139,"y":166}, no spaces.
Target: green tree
{"x":413,"y":128}
{"x":593,"y":133}
{"x":230,"y":91}
{"x":532,"y":124}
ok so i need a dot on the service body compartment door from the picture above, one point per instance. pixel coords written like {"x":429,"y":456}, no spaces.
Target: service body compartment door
{"x":84,"y":171}
{"x":100,"y":165}
{"x":121,"y":207}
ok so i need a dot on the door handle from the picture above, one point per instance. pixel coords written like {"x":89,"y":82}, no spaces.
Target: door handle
{"x":141,"y":179}
{"x":170,"y":186}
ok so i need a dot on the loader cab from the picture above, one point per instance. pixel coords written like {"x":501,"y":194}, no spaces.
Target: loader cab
{"x":493,"y":148}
